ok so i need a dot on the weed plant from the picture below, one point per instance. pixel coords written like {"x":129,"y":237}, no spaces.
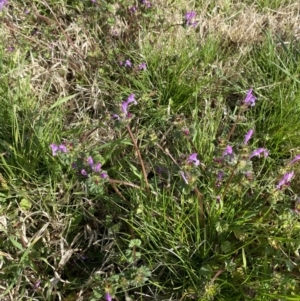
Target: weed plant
{"x":149,"y":150}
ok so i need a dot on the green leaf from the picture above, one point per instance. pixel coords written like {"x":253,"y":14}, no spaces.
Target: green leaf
{"x":25,"y":205}
{"x":61,"y":101}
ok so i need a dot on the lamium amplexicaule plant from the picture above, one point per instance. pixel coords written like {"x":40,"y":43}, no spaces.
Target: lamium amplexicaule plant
{"x":174,"y":194}
{"x":234,"y":177}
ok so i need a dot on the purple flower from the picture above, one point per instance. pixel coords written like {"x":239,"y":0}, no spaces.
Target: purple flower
{"x":142,"y":66}
{"x":128,"y":63}
{"x":248,"y":136}
{"x":193,"y":159}
{"x":103,"y":175}
{"x":115,"y":116}
{"x":146,"y":3}
{"x":184,"y":177}
{"x":285,"y":180}
{"x":90,"y":161}
{"x":228,"y":151}
{"x":2,"y":3}
{"x":97,"y":167}
{"x":258,"y":151}
{"x":37,"y":284}
{"x":108,"y":297}
{"x":83,"y":172}
{"x":133,"y":9}
{"x":189,"y":16}
{"x":58,"y":148}
{"x":249,"y":99}
{"x":125,"y":104}
{"x":297,"y":158}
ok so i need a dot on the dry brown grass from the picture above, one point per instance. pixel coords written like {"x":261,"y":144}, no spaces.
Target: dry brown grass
{"x":69,"y":62}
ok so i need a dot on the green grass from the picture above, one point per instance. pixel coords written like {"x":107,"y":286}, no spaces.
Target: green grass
{"x":149,"y":224}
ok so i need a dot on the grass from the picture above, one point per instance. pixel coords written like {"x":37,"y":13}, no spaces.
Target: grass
{"x":150,"y":222}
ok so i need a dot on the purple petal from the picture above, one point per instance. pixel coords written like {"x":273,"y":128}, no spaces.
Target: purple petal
{"x":189,"y":16}
{"x":2,"y":3}
{"x":90,"y":161}
{"x":228,"y":151}
{"x":193,"y":159}
{"x":297,"y":158}
{"x":128,"y":63}
{"x":248,"y":136}
{"x":115,"y":116}
{"x":54,"y":148}
{"x":249,"y":99}
{"x":108,"y":297}
{"x":62,"y":148}
{"x":103,"y":175}
{"x":286,"y":179}
{"x":258,"y":151}
{"x":142,"y":66}
{"x":133,"y":9}
{"x":131,"y":98}
{"x":124,"y":107}
{"x":83,"y":172}
{"x":97,"y":167}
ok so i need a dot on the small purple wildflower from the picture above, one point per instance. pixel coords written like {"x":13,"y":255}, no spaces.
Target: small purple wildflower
{"x":2,"y":3}
{"x":115,"y":116}
{"x":248,"y":136}
{"x":297,"y":158}
{"x":228,"y":151}
{"x":58,"y":148}
{"x":142,"y":66}
{"x":108,"y":297}
{"x":249,"y":99}
{"x":186,"y":132}
{"x":184,"y":177}
{"x":258,"y":151}
{"x":189,"y":16}
{"x":128,"y":63}
{"x":133,"y":9}
{"x":90,"y":161}
{"x":97,"y":167}
{"x":104,"y":175}
{"x":286,"y":179}
{"x":83,"y":172}
{"x":146,"y":3}
{"x":37,"y":284}
{"x":193,"y":159}
{"x":125,"y":104}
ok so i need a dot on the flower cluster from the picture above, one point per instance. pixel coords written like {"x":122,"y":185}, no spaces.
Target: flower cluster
{"x":128,"y":63}
{"x":91,"y":168}
{"x":58,"y":148}
{"x":287,"y":177}
{"x":124,"y":108}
